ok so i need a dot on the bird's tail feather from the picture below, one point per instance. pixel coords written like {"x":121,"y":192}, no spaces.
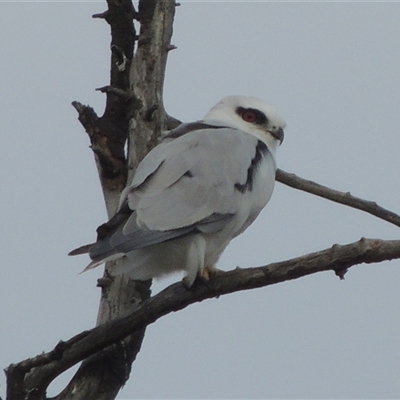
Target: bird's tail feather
{"x":81,"y":250}
{"x":96,"y":263}
{"x":92,"y":265}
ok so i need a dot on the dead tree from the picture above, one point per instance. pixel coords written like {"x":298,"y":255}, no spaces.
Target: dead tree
{"x":135,"y":114}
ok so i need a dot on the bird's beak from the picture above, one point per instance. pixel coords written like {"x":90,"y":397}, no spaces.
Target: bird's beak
{"x":278,"y":134}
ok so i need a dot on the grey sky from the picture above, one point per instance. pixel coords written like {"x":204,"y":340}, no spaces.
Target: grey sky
{"x":332,"y":71}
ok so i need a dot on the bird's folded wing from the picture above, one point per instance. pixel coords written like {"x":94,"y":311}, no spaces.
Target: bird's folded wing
{"x":192,"y":184}
{"x":191,"y":178}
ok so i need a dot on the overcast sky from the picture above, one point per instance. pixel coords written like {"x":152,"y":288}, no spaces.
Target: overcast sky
{"x":332,"y":70}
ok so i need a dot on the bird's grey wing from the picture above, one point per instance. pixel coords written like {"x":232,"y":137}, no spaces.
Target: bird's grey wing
{"x":156,"y":157}
{"x":192,"y":184}
{"x":200,"y":174}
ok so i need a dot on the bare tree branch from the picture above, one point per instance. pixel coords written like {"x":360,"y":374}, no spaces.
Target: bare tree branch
{"x":347,"y":199}
{"x":337,"y":258}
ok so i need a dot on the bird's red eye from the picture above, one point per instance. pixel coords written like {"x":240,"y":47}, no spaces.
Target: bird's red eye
{"x":249,"y":116}
{"x":252,"y":115}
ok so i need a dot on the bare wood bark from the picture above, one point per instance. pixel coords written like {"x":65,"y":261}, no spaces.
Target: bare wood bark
{"x":176,"y":297}
{"x":128,"y":114}
{"x":148,"y":116}
{"x":102,"y":375}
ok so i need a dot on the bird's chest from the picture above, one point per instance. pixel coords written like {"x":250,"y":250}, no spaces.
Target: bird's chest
{"x":264,"y":181}
{"x":254,"y":200}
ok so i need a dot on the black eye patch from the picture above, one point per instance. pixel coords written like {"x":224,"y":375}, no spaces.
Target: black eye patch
{"x":257,"y":116}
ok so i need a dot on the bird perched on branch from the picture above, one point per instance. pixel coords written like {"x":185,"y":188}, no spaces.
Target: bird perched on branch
{"x":202,"y":186}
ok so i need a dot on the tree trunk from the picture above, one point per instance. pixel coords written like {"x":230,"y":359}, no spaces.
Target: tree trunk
{"x":142,"y":115}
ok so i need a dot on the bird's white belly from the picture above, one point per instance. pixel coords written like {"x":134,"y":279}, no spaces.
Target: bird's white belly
{"x":156,"y":260}
{"x":254,"y":201}
{"x":190,"y":254}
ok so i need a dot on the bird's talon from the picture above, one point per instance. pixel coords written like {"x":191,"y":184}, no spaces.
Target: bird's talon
{"x":208,"y":272}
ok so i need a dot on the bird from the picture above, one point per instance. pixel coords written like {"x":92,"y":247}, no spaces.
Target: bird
{"x":199,"y":188}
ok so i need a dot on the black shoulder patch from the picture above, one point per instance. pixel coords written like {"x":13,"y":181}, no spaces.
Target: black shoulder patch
{"x":183,"y":129}
{"x":261,"y":149}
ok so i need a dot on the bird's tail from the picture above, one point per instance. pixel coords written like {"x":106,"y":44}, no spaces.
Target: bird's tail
{"x":81,"y":250}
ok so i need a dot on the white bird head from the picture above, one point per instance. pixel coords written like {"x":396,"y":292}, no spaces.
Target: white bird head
{"x":250,"y":115}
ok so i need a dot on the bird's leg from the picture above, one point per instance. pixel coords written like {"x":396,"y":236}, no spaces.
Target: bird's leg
{"x":194,"y":259}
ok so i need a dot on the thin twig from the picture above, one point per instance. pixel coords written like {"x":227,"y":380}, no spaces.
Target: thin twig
{"x":119,"y":92}
{"x":345,"y":198}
